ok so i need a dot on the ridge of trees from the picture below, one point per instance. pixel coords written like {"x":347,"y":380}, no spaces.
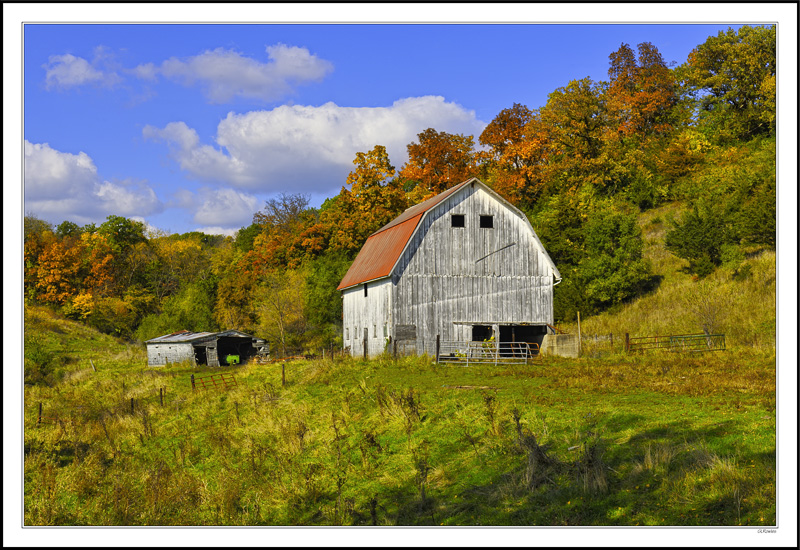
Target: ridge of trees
{"x":580,"y":167}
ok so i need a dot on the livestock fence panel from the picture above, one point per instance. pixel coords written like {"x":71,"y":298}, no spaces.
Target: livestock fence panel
{"x":677,"y":343}
{"x":474,"y":352}
{"x":222,"y":381}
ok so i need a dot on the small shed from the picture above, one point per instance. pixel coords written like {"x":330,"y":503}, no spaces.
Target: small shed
{"x":204,"y":348}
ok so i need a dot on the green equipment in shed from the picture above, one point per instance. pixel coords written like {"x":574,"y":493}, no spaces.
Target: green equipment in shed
{"x":232,"y":359}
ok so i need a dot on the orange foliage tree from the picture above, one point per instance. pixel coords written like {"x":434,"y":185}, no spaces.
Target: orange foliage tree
{"x":641,"y":93}
{"x":58,"y":273}
{"x":375,"y":198}
{"x":439,"y":161}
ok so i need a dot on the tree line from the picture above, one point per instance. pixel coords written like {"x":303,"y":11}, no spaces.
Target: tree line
{"x":581,"y":167}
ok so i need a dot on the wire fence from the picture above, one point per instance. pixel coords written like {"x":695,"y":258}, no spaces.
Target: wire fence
{"x":677,"y":343}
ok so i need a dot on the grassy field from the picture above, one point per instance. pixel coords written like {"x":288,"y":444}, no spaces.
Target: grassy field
{"x":609,"y":439}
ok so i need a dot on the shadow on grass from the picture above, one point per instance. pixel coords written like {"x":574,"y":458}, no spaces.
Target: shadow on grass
{"x":677,"y":474}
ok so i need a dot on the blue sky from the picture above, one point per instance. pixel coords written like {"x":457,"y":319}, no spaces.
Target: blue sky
{"x":191,"y":127}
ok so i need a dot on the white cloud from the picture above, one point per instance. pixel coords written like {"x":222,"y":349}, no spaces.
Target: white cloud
{"x":63,"y":186}
{"x":226,"y":207}
{"x":150,"y":231}
{"x":308,"y":148}
{"x":218,"y":231}
{"x":146,"y":71}
{"x":127,"y":198}
{"x":51,"y":174}
{"x":226,"y":74}
{"x":66,"y":71}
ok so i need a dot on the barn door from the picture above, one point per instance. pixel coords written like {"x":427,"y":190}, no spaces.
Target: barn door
{"x":211,"y":356}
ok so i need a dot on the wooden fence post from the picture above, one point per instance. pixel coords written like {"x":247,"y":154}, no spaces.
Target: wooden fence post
{"x":627,"y":342}
{"x":131,"y":405}
{"x":611,"y":339}
{"x":283,"y":373}
{"x":394,"y":349}
{"x":39,"y":420}
{"x":579,"y":333}
{"x":160,"y":397}
{"x":438,"y":347}
{"x":193,"y":382}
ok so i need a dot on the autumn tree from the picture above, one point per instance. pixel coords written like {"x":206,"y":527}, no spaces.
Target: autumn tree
{"x":505,"y":131}
{"x":641,"y":92}
{"x":176,"y":261}
{"x":236,"y":278}
{"x":280,"y":305}
{"x":438,"y":161}
{"x":282,"y":213}
{"x":517,"y":152}
{"x":567,"y":138}
{"x":58,"y":270}
{"x":37,"y":234}
{"x":286,"y":235}
{"x":373,"y":199}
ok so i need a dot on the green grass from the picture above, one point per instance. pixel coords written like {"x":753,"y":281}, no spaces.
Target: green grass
{"x":617,"y":440}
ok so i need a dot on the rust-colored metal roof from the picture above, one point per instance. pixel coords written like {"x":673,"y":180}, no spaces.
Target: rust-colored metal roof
{"x":380,"y":253}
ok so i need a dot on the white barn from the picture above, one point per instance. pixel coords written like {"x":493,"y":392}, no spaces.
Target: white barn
{"x":464,"y":265}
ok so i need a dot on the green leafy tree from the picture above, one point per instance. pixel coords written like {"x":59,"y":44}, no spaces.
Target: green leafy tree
{"x":613,"y":268}
{"x":732,"y":75}
{"x":192,"y":308}
{"x":68,"y":229}
{"x":246,"y":235}
{"x":323,"y":302}
{"x":599,"y":252}
{"x":699,"y":237}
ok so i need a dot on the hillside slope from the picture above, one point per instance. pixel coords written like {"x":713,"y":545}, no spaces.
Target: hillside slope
{"x":738,"y":299}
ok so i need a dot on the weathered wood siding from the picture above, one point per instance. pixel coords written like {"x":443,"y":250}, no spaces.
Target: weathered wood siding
{"x":372,"y":312}
{"x":452,"y":277}
{"x":175,"y":352}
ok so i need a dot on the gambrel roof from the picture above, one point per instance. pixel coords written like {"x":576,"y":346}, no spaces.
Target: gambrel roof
{"x":382,"y":250}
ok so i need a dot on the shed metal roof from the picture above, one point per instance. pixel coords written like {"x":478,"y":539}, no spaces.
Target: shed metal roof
{"x":383,"y":248}
{"x":185,"y":336}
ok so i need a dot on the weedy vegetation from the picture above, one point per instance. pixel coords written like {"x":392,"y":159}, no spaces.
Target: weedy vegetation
{"x":607,"y":439}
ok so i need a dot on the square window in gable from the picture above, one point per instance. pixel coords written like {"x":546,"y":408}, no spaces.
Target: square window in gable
{"x":457,"y":220}
{"x":487,"y":222}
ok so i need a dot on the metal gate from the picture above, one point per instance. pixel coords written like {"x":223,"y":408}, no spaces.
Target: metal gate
{"x":487,"y":352}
